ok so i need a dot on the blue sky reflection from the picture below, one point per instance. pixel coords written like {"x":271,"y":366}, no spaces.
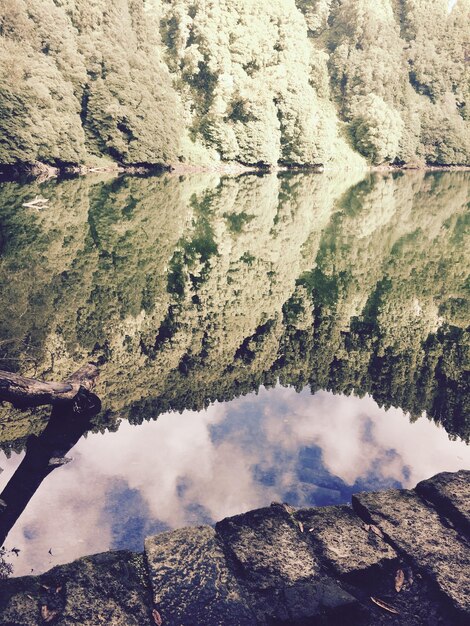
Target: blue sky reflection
{"x":200,"y":467}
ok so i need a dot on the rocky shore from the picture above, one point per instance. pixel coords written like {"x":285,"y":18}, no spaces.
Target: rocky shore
{"x":393,"y":557}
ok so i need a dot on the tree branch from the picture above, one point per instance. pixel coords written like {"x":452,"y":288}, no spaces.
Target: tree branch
{"x":28,"y":392}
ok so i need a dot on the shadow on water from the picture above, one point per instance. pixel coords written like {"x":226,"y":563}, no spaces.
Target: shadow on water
{"x":44,"y":453}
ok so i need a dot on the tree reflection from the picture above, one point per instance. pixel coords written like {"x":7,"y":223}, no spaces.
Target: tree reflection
{"x":190,"y":290}
{"x":69,"y":420}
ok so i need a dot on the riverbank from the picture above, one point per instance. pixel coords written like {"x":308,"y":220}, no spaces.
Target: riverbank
{"x":394,"y":557}
{"x":42,"y":171}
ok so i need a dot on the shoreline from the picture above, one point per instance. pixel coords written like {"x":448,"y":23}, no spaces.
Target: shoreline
{"x":42,"y":172}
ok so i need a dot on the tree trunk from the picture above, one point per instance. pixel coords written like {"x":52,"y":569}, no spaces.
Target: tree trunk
{"x":28,"y":392}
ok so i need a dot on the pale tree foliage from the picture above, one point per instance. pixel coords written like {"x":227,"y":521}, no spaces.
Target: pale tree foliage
{"x":83,"y":77}
{"x":131,"y":111}
{"x":316,"y":14}
{"x":457,"y":43}
{"x":368,"y":75}
{"x":410,"y":56}
{"x":444,"y":135}
{"x":39,"y":109}
{"x":244,"y":70}
{"x":377,"y":128}
{"x":438,"y":58}
{"x":199,"y":81}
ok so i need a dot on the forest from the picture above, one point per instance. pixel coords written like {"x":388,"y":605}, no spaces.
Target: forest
{"x":94,"y":83}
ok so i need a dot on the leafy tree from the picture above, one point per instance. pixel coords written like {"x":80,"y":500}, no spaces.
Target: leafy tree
{"x":77,"y":79}
{"x":377,"y":129}
{"x":245,"y":74}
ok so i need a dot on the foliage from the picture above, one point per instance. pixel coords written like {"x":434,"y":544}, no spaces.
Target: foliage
{"x":404,"y":61}
{"x":83,"y":78}
{"x":200,"y":289}
{"x":290,"y":81}
{"x":244,"y":74}
{"x":376,"y":128}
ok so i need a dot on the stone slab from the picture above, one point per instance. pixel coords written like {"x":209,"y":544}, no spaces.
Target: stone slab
{"x":416,"y":530}
{"x":267,"y":546}
{"x":450,"y":493}
{"x":108,"y":588}
{"x":343,"y":541}
{"x":191,"y":581}
{"x":275,"y":563}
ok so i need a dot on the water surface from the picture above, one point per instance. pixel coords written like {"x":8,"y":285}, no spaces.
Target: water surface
{"x":311,"y":329}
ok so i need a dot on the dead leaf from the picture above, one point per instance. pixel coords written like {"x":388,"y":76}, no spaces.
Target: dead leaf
{"x":376,"y":530}
{"x":383,"y":605}
{"x":46,"y":614}
{"x":301,"y":526}
{"x":399,"y":580}
{"x":157,"y":617}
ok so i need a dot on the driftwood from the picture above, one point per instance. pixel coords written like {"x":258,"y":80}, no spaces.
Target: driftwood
{"x":28,"y":392}
{"x":37,"y":203}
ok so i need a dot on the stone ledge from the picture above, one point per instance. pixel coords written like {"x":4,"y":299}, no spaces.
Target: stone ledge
{"x":344,"y":542}
{"x":450,"y":493}
{"x":276,"y":566}
{"x":191,"y":579}
{"x":108,"y":588}
{"x":419,"y":533}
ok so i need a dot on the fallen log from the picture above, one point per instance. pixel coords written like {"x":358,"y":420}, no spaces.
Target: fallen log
{"x":24,"y":392}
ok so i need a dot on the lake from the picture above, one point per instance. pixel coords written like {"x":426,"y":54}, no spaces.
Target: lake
{"x":292,"y":337}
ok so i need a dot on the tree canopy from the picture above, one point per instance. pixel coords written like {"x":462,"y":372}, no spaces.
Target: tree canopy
{"x":199,"y":82}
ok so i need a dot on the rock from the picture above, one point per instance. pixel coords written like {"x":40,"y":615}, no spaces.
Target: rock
{"x":275,"y":564}
{"x":191,"y":581}
{"x":342,"y":540}
{"x":108,"y":588}
{"x":450,"y":493}
{"x":265,"y":543}
{"x":415,"y":529}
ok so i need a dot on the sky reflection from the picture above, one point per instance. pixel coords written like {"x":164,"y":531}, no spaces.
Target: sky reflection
{"x":200,"y":467}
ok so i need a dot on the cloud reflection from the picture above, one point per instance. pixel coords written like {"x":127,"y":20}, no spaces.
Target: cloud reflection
{"x":199,"y":467}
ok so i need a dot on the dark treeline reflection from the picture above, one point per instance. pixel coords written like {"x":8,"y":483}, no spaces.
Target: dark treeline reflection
{"x":189,"y":290}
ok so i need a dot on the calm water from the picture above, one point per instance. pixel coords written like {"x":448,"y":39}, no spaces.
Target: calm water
{"x":299,"y":337}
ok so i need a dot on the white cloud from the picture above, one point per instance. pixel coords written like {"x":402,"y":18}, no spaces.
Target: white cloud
{"x":208,"y":459}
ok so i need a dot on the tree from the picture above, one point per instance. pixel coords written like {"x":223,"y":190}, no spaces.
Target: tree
{"x":377,"y":129}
